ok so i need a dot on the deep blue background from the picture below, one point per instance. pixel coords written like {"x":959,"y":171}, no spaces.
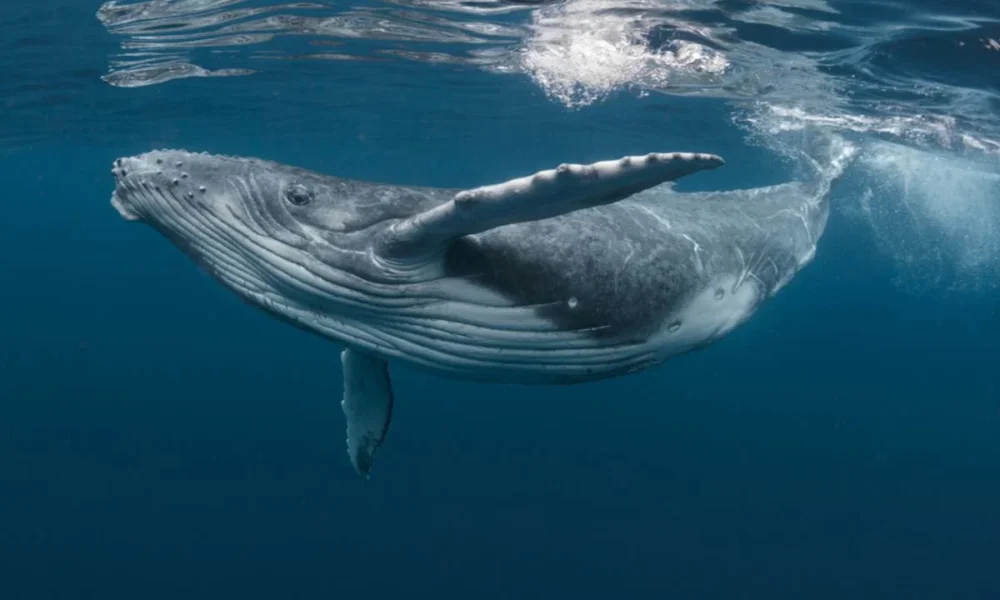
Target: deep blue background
{"x":160,"y":439}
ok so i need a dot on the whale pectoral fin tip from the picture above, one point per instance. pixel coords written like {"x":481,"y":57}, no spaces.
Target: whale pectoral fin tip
{"x":367,"y":406}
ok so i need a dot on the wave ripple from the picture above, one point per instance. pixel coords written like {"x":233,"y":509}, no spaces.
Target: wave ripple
{"x":163,"y":40}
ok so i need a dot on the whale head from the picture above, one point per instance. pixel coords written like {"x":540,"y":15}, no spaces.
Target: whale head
{"x":168,"y":188}
{"x":279,"y":236}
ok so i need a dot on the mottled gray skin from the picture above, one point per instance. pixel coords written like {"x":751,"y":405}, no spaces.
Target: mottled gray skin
{"x":591,"y":294}
{"x":632,"y":264}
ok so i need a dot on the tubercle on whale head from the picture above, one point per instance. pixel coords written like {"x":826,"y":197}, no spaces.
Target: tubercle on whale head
{"x":277,"y":198}
{"x":170,"y":188}
{"x":269,"y":232}
{"x":234,"y":216}
{"x":149,"y":184}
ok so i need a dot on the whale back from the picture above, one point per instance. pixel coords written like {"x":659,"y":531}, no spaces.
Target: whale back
{"x":621,"y":270}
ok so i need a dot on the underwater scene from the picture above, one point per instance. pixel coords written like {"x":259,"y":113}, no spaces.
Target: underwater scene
{"x":680,"y":299}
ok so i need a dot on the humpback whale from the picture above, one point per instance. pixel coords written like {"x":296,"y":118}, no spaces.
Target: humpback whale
{"x":568,"y":275}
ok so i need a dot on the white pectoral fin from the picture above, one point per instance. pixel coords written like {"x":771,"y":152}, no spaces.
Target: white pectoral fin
{"x":367,"y":405}
{"x":543,"y":195}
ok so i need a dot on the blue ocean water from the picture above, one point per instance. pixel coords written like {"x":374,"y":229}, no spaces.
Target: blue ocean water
{"x":160,"y":439}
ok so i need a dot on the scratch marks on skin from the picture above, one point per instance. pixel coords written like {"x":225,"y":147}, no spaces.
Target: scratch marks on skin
{"x":753,"y":222}
{"x":697,"y":253}
{"x":774,"y":267}
{"x":799,"y":215}
{"x":749,"y":269}
{"x":697,"y":248}
{"x":743,"y":268}
{"x":758,"y":259}
{"x":618,"y":275}
{"x":746,"y":270}
{"x":662,"y":220}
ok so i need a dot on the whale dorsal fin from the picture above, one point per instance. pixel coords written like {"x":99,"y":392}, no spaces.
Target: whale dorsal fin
{"x":545,"y":194}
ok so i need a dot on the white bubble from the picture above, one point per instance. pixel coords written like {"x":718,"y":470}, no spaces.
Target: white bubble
{"x":936,"y":216}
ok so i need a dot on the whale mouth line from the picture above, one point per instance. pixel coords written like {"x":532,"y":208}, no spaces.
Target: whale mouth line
{"x":121,"y":205}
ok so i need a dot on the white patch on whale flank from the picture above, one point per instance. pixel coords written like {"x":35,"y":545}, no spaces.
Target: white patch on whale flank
{"x":707,"y":316}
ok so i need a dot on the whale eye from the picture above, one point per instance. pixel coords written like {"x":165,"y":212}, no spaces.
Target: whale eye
{"x":297,"y":195}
